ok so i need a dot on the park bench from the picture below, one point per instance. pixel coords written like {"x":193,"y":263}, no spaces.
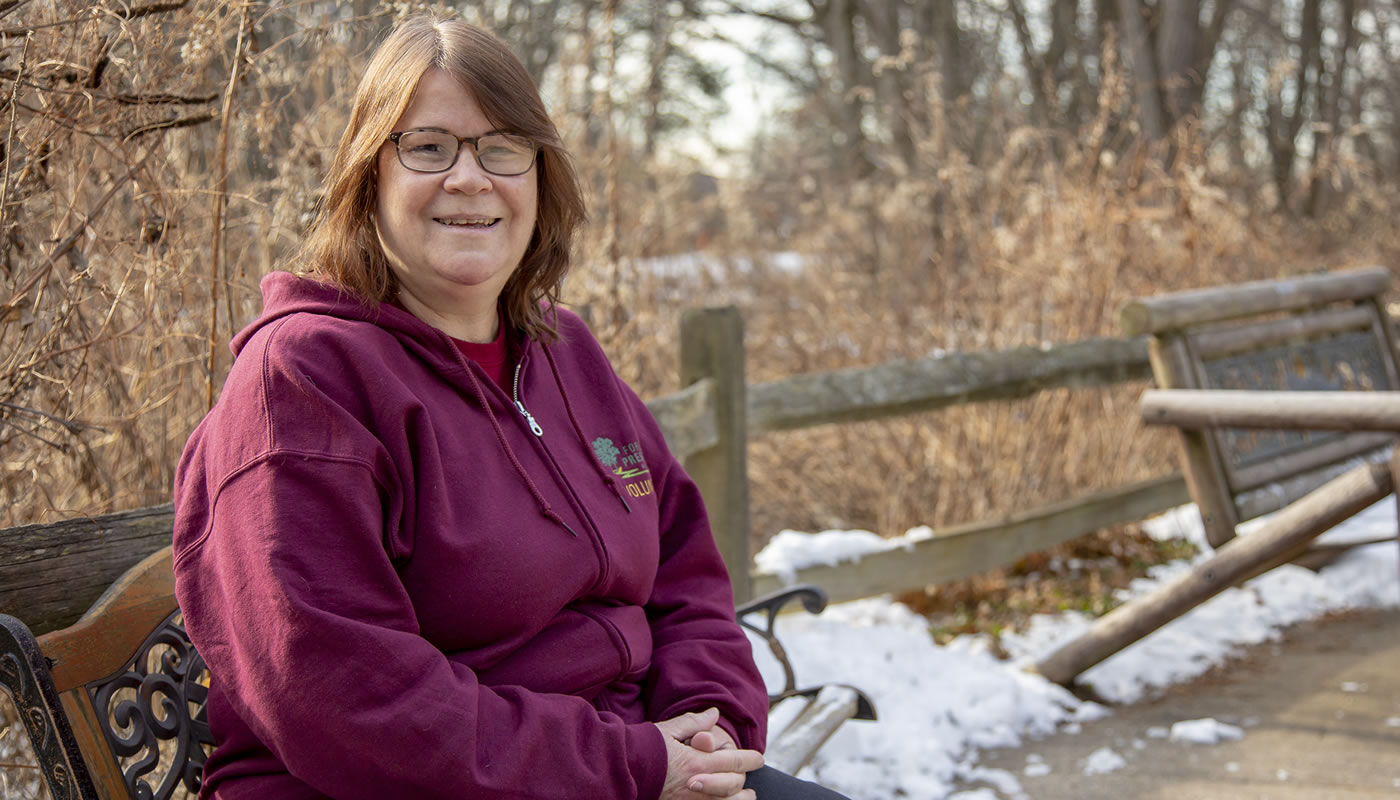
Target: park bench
{"x":1284,"y":396}
{"x":1327,"y":332}
{"x":114,"y":703}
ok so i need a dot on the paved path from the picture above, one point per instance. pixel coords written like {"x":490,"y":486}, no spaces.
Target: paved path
{"x":1320,"y":711}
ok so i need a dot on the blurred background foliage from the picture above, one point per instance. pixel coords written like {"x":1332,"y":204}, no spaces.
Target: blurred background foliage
{"x":921,"y":177}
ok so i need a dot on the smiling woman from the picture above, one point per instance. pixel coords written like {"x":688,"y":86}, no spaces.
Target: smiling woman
{"x":427,"y":541}
{"x":452,"y":230}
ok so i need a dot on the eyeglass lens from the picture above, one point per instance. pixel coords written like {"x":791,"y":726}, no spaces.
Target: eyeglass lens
{"x":435,"y":151}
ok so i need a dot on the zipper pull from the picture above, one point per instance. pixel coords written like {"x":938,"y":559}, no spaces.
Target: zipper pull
{"x":534,"y":426}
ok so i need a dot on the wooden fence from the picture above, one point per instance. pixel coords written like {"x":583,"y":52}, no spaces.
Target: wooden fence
{"x":50,"y":574}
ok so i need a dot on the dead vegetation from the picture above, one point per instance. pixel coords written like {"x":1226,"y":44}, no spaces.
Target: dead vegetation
{"x":159,"y":158}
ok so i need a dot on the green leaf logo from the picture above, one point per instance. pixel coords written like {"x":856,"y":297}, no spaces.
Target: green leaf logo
{"x":606,"y":451}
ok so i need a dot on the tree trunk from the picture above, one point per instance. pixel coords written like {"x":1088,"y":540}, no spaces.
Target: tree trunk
{"x":1177,"y":64}
{"x":949,"y":45}
{"x":892,"y":82}
{"x":1284,"y":124}
{"x":1325,"y":136}
{"x":1037,"y":75}
{"x":837,"y":20}
{"x":660,"y":47}
{"x":1138,"y":48}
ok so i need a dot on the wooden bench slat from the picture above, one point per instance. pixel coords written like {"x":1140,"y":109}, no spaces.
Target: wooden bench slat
{"x":1224,"y":341}
{"x":1180,"y":310}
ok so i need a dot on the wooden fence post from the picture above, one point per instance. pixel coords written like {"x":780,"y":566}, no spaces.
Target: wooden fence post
{"x":712,"y":346}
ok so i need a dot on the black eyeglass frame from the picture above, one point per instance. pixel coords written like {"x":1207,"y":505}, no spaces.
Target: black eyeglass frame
{"x":476,"y":154}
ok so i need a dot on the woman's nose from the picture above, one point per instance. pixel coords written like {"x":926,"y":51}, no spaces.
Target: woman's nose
{"x":466,"y":175}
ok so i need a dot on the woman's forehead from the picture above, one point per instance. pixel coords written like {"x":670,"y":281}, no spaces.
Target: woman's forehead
{"x":442,"y":101}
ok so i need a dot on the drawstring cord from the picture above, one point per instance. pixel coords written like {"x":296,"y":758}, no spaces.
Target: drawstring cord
{"x":545,"y":509}
{"x":608,"y":477}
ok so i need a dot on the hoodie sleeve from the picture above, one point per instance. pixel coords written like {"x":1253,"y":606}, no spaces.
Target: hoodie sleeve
{"x":291,"y":596}
{"x":701,"y":656}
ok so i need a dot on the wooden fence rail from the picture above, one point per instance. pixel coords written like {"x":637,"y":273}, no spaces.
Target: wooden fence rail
{"x":49,"y":574}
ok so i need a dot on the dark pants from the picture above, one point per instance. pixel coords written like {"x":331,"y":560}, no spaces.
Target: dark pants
{"x":770,"y":784}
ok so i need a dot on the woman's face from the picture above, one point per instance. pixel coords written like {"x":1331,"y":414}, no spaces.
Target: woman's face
{"x":452,"y":238}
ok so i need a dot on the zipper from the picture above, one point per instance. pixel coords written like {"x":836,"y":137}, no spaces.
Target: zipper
{"x":604,"y":558}
{"x":515,"y":396}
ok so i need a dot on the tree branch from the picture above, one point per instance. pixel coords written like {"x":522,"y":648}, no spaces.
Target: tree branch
{"x":73,"y":427}
{"x":170,"y":124}
{"x":772,"y":16}
{"x":765,"y":62}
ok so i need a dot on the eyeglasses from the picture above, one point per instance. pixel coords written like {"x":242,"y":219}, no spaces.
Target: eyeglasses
{"x":502,"y":154}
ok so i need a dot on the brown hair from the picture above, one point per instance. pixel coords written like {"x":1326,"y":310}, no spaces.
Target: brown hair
{"x":343,"y":247}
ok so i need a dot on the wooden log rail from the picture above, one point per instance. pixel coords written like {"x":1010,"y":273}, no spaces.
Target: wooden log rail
{"x":49,"y":574}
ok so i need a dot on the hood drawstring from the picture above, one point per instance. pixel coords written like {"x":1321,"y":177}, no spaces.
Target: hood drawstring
{"x":545,"y":509}
{"x":608,"y":477}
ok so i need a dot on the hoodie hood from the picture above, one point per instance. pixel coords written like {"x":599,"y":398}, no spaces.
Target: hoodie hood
{"x":285,"y":294}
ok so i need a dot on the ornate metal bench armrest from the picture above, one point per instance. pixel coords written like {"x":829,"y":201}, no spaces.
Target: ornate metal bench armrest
{"x":24,"y":674}
{"x":767,"y":609}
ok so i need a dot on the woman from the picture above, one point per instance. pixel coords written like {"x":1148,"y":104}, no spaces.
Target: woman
{"x":428,"y":542}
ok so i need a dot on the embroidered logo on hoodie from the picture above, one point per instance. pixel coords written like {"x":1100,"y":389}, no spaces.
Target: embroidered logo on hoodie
{"x":626,"y":463}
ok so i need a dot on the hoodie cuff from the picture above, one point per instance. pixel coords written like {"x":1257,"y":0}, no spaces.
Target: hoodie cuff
{"x":646,"y":759}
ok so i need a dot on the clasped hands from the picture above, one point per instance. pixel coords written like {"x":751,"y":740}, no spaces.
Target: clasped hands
{"x":703,"y":760}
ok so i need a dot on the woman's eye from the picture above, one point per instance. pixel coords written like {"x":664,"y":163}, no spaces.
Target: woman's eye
{"x":426,"y":148}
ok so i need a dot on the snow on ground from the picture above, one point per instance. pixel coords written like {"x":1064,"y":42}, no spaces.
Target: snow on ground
{"x":940,"y":705}
{"x":1205,"y":731}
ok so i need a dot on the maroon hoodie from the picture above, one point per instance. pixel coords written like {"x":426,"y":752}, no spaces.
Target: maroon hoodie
{"x":408,"y":584}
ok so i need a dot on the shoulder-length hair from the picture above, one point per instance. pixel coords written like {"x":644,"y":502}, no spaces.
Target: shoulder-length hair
{"x":343,"y":247}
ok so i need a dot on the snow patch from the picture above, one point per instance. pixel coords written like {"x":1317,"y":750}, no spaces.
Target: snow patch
{"x":790,"y":551}
{"x":939,"y":706}
{"x":1205,"y":731}
{"x":1102,"y":761}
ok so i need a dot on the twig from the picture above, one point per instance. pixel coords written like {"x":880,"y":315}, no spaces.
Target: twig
{"x":10,"y":137}
{"x":16,"y":765}
{"x":32,"y":434}
{"x":67,"y":243}
{"x":156,"y":8}
{"x":159,"y":99}
{"x":10,"y":5}
{"x":84,"y":345}
{"x":180,"y":122}
{"x":73,"y":427}
{"x":220,"y":197}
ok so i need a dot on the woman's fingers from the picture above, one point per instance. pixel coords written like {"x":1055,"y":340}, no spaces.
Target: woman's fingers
{"x":687,"y":725}
{"x":720,"y":784}
{"x":693,"y":773}
{"x":727,"y":766}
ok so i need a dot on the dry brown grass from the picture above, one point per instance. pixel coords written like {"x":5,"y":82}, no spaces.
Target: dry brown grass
{"x":113,"y":306}
{"x":110,"y":297}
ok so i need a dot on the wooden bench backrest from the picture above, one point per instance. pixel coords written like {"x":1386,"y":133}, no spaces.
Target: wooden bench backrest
{"x":126,"y":692}
{"x":1321,"y":332}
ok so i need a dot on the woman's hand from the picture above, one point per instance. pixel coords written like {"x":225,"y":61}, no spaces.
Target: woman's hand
{"x":693,"y":773}
{"x":714,"y":739}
